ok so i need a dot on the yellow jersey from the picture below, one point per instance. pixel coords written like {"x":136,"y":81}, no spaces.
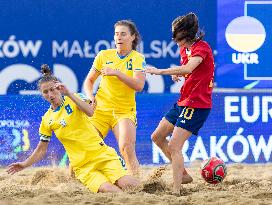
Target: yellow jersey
{"x":73,"y":129}
{"x":112,"y":93}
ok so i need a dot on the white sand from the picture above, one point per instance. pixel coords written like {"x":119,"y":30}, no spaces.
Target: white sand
{"x":244,"y":184}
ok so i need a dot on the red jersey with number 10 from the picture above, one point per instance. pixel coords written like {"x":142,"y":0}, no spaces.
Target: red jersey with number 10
{"x":196,"y":91}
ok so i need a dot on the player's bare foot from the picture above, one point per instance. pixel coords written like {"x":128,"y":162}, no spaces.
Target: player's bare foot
{"x":186,"y":179}
{"x":176,"y":193}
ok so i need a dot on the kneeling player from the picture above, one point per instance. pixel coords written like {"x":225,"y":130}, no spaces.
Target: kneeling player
{"x":95,"y":164}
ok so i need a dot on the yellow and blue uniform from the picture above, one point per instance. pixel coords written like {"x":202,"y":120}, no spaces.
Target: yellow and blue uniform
{"x":93,"y":162}
{"x":115,"y":100}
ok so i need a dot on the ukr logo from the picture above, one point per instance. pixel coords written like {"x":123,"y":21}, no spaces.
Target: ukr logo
{"x":245,"y":34}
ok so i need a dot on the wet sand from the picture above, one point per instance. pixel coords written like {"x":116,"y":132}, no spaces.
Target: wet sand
{"x":244,"y":184}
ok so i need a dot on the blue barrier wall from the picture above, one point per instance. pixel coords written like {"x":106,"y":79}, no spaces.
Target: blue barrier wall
{"x":237,"y":130}
{"x":68,"y":34}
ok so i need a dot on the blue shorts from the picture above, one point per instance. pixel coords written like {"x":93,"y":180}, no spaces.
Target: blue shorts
{"x":191,"y":119}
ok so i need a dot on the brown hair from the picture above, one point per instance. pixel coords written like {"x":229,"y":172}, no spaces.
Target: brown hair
{"x":47,"y":75}
{"x":133,"y":31}
{"x":186,"y":27}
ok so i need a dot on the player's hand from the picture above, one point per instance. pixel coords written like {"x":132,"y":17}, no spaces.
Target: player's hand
{"x":15,"y":167}
{"x":153,"y":70}
{"x":109,"y":72}
{"x":62,"y":88}
{"x":175,"y":78}
{"x":93,"y":101}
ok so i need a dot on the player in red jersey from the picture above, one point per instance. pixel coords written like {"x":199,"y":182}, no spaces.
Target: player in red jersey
{"x":186,"y":116}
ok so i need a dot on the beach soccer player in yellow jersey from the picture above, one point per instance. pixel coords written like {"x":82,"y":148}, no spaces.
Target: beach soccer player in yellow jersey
{"x":95,"y":164}
{"x":122,"y":72}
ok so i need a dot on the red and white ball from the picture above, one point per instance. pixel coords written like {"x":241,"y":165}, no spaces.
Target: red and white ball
{"x":213,"y":170}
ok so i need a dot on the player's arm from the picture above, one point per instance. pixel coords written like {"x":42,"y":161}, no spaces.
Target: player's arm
{"x":177,"y":70}
{"x":82,"y":105}
{"x":89,"y":82}
{"x":136,"y":82}
{"x":36,"y":156}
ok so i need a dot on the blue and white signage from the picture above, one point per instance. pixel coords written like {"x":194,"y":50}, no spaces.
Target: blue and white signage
{"x":237,"y":130}
{"x":68,"y":35}
{"x":244,"y":44}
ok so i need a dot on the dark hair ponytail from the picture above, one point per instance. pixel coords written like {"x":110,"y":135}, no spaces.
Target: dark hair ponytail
{"x":46,"y":75}
{"x":45,"y":70}
{"x":186,"y":27}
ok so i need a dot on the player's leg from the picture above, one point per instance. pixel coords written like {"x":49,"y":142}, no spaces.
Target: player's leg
{"x":112,"y":168}
{"x":164,"y":129}
{"x":100,"y":120}
{"x":94,"y":179}
{"x":189,"y":122}
{"x":125,"y":133}
{"x":176,"y":143}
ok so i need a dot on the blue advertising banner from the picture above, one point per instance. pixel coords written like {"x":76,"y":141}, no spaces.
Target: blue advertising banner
{"x":237,"y":130}
{"x":244,"y":44}
{"x":67,"y":35}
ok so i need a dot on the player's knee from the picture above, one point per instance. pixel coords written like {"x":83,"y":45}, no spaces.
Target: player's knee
{"x":155,"y":137}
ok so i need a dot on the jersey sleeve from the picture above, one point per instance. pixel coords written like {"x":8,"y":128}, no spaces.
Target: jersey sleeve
{"x":98,"y":62}
{"x":201,"y":50}
{"x":45,"y":132}
{"x":140,"y":63}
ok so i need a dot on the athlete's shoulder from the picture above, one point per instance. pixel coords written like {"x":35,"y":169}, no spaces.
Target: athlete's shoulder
{"x":202,"y":44}
{"x":108,"y":51}
{"x":47,"y":113}
{"x":102,"y":52}
{"x":137,"y":54}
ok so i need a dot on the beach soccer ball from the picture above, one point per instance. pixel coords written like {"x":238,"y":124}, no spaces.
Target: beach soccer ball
{"x":213,"y":170}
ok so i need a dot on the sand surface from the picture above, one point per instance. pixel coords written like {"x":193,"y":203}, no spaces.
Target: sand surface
{"x":244,"y":184}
